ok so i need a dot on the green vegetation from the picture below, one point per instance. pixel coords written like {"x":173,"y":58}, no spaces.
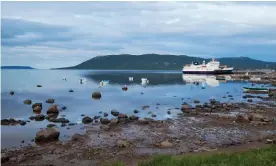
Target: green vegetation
{"x":163,"y":62}
{"x":261,"y":157}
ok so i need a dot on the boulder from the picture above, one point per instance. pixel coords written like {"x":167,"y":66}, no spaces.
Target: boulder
{"x":39,"y":117}
{"x":11,"y":92}
{"x":71,"y":90}
{"x":87,"y":120}
{"x":28,"y":102}
{"x":53,"y":110}
{"x":136,"y":111}
{"x":5,"y":122}
{"x":47,"y":135}
{"x":37,"y":104}
{"x":63,"y":124}
{"x":97,"y":117}
{"x":250,"y":100}
{"x":31,"y":117}
{"x":37,"y":109}
{"x":114,"y":112}
{"x":104,"y":121}
{"x":105,"y":114}
{"x":96,"y":95}
{"x":50,"y":101}
{"x":185,"y":108}
{"x":166,"y":144}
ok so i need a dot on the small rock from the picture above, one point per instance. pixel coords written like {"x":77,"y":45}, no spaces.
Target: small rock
{"x":51,"y":125}
{"x":72,"y":124}
{"x":82,"y":115}
{"x":47,"y":135}
{"x":136,"y":111}
{"x":96,"y":95}
{"x":28,"y":102}
{"x":196,"y":101}
{"x":37,"y":104}
{"x":256,"y":117}
{"x":37,"y":109}
{"x":39,"y":86}
{"x":39,"y":117}
{"x":153,"y":115}
{"x":124,"y":88}
{"x":105,"y":114}
{"x":87,"y":120}
{"x":250,"y":100}
{"x":169,"y":112}
{"x":114,"y":113}
{"x":97,"y":117}
{"x":242,"y":118}
{"x":269,"y":141}
{"x":104,"y":121}
{"x":133,"y":117}
{"x":11,"y":92}
{"x":230,"y":96}
{"x":145,"y":107}
{"x":166,"y":144}
{"x":71,"y":90}
{"x":122,"y":116}
{"x":122,"y":144}
{"x":23,"y":123}
{"x":64,"y":108}
{"x":50,"y":101}
{"x":63,"y":124}
{"x":31,"y":117}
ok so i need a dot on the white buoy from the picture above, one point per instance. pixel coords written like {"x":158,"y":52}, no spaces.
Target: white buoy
{"x":130,"y":79}
{"x":144,"y":81}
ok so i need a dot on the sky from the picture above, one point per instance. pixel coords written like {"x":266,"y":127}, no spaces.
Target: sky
{"x":58,"y":34}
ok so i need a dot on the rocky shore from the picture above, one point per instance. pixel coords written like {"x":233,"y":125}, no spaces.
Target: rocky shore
{"x":203,"y":127}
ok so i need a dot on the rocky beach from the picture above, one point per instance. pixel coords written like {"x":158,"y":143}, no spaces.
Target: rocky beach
{"x":110,"y":136}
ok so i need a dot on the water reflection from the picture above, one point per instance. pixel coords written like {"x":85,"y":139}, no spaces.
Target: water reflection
{"x":210,"y":80}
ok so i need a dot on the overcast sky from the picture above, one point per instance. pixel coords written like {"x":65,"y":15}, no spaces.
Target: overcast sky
{"x":57,"y":34}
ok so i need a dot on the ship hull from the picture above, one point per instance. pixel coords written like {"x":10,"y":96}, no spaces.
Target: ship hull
{"x":209,"y":72}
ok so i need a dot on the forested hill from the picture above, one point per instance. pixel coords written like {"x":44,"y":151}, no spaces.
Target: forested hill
{"x":164,"y":62}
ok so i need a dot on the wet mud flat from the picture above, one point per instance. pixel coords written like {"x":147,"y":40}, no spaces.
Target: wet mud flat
{"x":207,"y":127}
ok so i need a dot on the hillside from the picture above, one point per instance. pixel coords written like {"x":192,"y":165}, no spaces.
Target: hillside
{"x":163,"y":62}
{"x":16,"y":67}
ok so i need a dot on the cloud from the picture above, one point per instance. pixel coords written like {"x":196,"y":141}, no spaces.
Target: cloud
{"x":82,"y":30}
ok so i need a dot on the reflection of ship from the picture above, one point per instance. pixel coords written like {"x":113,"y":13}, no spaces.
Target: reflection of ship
{"x":210,"y":80}
{"x":212,"y":67}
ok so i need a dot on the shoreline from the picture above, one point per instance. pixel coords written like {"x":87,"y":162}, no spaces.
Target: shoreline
{"x":205,"y":128}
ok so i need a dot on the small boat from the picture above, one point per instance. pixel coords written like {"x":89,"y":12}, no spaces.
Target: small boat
{"x":130,"y":79}
{"x":220,"y":78}
{"x":144,"y":81}
{"x":246,"y":89}
{"x":104,"y":82}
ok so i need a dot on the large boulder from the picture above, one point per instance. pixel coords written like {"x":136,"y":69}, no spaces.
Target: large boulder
{"x":47,"y":135}
{"x":53,"y":110}
{"x":50,"y":101}
{"x":27,"y":101}
{"x":87,"y":120}
{"x":59,"y":120}
{"x":96,"y":95}
{"x":133,"y":117}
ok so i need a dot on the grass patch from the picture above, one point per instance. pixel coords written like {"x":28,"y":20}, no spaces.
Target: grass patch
{"x":260,"y":157}
{"x":257,"y":157}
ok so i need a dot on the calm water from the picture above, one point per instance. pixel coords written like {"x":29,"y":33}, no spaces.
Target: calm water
{"x":169,"y":89}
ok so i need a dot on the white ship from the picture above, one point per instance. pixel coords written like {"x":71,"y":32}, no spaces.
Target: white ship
{"x":212,"y":67}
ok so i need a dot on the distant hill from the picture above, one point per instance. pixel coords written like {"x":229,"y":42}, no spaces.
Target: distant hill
{"x":16,"y":67}
{"x":164,"y":62}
